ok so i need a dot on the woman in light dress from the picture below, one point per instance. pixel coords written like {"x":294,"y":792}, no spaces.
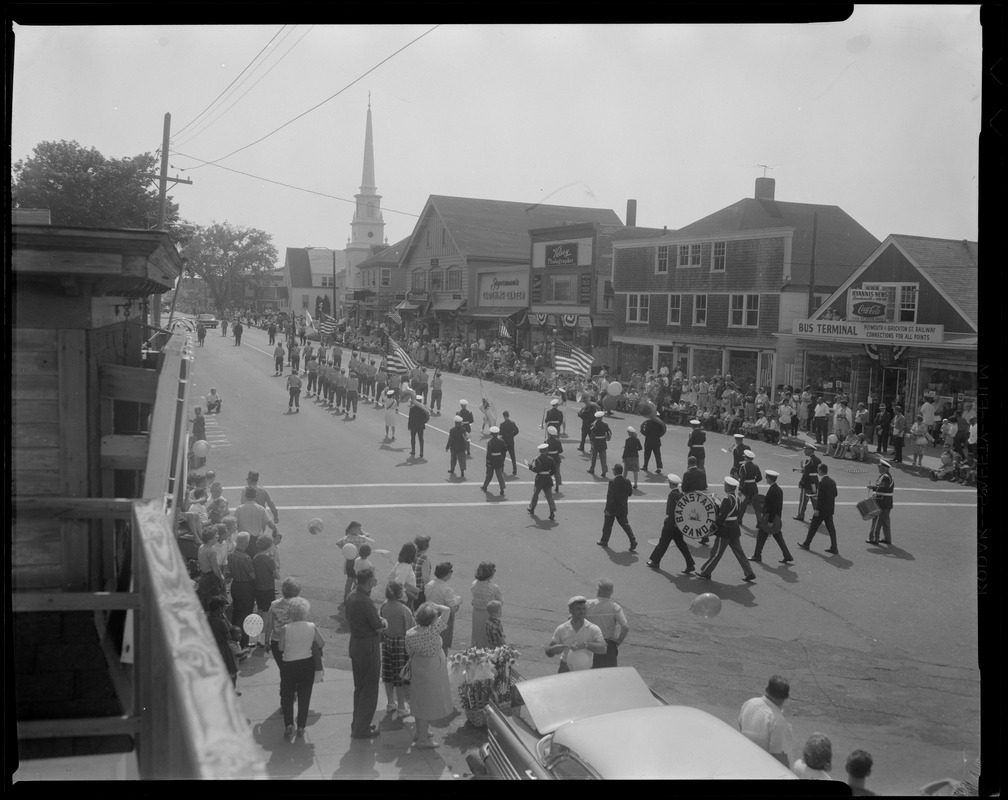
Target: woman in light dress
{"x":430,"y":692}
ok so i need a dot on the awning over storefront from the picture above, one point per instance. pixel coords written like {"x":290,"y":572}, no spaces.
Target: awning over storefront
{"x":447,"y":304}
{"x":406,"y":305}
{"x":489,"y":312}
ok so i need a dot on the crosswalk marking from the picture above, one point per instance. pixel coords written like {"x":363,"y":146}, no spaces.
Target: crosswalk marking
{"x":599,"y":483}
{"x":562,"y":501}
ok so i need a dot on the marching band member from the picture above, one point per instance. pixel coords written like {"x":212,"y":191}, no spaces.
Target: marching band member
{"x":554,"y":416}
{"x":670,"y":532}
{"x":737,"y":450}
{"x":883,"y":489}
{"x":696,"y":441}
{"x":553,"y":449}
{"x":809,"y":480}
{"x":600,"y":436}
{"x":727,"y":535}
{"x":544,"y":469}
{"x":749,"y":478}
{"x":770,"y":521}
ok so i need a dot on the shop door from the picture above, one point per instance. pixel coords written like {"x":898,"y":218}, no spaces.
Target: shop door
{"x":894,"y":386}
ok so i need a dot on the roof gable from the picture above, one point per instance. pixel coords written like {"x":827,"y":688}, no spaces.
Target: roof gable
{"x":499,"y":229}
{"x":320,"y":260}
{"x":391,"y":256}
{"x":841,"y":242}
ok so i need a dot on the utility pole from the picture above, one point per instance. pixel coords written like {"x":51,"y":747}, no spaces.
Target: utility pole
{"x":155,"y":301}
{"x":334,"y":290}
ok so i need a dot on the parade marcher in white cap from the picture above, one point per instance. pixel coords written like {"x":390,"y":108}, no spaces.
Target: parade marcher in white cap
{"x":600,"y":435}
{"x":496,"y":452}
{"x":728,"y":534}
{"x":749,"y":478}
{"x":587,"y":415}
{"x":809,"y":481}
{"x":553,"y":449}
{"x":458,"y":441}
{"x":631,"y":454}
{"x":390,"y":413}
{"x":671,"y":533}
{"x":616,"y":508}
{"x":554,"y":416}
{"x":467,"y":421}
{"x":880,"y":532}
{"x":653,"y":428}
{"x":508,"y":431}
{"x":544,"y":469}
{"x":737,"y":451}
{"x":696,"y":441}
{"x":771,"y":519}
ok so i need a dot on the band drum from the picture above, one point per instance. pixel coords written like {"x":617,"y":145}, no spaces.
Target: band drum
{"x":868,"y":508}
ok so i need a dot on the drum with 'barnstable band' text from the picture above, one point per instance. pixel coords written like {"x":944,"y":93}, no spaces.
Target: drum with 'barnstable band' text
{"x":695,"y":515}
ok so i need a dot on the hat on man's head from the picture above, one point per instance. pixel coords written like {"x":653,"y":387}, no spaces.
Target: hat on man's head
{"x":749,"y":454}
{"x":555,"y":401}
{"x":599,"y":414}
{"x":551,"y":430}
{"x":494,"y":429}
{"x":729,"y":481}
{"x":694,"y":422}
{"x":578,"y":598}
{"x":770,"y":473}
{"x":739,"y":436}
{"x":631,"y":429}
{"x":458,"y":418}
{"x":675,"y":480}
{"x":883,"y":463}
{"x":542,"y":445}
{"x":809,"y":446}
{"x":463,"y":402}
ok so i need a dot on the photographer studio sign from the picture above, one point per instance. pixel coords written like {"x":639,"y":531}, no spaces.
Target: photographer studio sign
{"x":695,"y":514}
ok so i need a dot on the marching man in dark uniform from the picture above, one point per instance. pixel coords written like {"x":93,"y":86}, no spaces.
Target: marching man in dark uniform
{"x":587,"y":415}
{"x":749,"y":478}
{"x":696,"y":441}
{"x":544,"y":468}
{"x":727,"y":535}
{"x":458,"y":440}
{"x":671,"y":533}
{"x":824,"y":509}
{"x":496,"y":452}
{"x":467,"y":421}
{"x":553,"y":449}
{"x":508,"y":431}
{"x":600,"y":436}
{"x":616,"y":508}
{"x":737,"y":450}
{"x":770,"y":521}
{"x":653,"y":428}
{"x":694,"y":480}
{"x":809,"y":480}
{"x":554,"y":417}
{"x":883,"y":489}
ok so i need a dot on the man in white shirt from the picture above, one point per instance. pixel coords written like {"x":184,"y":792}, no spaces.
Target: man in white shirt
{"x":251,"y":516}
{"x":611,"y":620}
{"x":819,"y":422}
{"x":576,"y":634}
{"x":762,"y":720}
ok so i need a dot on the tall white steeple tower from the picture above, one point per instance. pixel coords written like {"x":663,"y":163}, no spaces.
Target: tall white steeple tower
{"x":368,"y":225}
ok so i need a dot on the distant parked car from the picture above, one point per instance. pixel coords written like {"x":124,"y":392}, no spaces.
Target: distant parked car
{"x":206,"y":320}
{"x":608,"y":724}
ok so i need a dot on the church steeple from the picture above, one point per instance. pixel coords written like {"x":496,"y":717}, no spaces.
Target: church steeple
{"x":368,"y":226}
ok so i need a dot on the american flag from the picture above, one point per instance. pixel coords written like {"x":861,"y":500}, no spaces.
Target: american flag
{"x":395,"y":316}
{"x":504,"y":329}
{"x":398,"y":359}
{"x":327,"y":325}
{"x":572,"y":359}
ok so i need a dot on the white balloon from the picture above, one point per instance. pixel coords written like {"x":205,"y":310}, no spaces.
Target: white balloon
{"x":580,"y":659}
{"x":253,"y":625}
{"x":201,"y":448}
{"x":615,"y":388}
{"x":349,"y":551}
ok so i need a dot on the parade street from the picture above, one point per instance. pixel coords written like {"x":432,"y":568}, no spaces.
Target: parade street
{"x":879,"y":644}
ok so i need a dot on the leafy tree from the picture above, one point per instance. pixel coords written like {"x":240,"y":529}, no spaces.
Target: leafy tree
{"x":227,"y":257}
{"x":80,"y":186}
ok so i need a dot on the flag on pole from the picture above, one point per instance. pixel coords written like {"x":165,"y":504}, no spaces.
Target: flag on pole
{"x":395,"y":316}
{"x":398,"y":359}
{"x":309,"y":321}
{"x":572,"y":359}
{"x":504,"y":329}
{"x":327,"y":325}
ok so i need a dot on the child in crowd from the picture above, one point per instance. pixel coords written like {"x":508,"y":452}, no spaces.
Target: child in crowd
{"x":494,"y":626}
{"x":832,"y":445}
{"x":226,"y":636}
{"x":945,"y":470}
{"x":847,"y":444}
{"x":948,"y":432}
{"x":362,"y":561}
{"x":217,"y":506}
{"x":354,"y":535}
{"x":859,"y":450}
{"x":198,"y":506}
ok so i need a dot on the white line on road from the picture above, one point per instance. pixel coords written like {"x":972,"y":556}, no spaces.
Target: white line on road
{"x":562,"y":501}
{"x":447,"y":484}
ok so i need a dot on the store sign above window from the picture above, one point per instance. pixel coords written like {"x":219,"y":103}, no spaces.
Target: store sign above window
{"x":867,"y":304}
{"x":563,"y":254}
{"x":859,"y":331}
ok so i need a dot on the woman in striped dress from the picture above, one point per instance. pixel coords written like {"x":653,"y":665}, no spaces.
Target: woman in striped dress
{"x":393,"y":648}
{"x":483,"y":591}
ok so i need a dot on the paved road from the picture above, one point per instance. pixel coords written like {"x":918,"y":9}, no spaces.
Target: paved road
{"x":880,"y":645}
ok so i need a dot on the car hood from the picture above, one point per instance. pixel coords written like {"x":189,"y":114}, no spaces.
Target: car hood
{"x":667,"y":742}
{"x":557,"y":700}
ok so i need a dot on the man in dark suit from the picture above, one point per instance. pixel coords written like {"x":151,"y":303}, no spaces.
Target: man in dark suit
{"x":770,"y":521}
{"x":808,"y":481}
{"x":508,"y":431}
{"x":616,"y":508}
{"x":670,"y":533}
{"x":825,"y":507}
{"x":416,"y":422}
{"x":653,"y":429}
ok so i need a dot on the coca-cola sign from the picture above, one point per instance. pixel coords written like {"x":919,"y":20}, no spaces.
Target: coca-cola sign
{"x":867,"y":304}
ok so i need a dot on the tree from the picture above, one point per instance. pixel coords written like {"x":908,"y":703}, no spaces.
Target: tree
{"x":226,"y":257}
{"x":80,"y":186}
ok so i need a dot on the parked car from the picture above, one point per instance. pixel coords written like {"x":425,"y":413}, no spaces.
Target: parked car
{"x":206,"y":320}
{"x":608,"y":724}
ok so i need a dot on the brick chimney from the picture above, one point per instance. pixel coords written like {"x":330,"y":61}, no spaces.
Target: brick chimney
{"x":631,"y":213}
{"x":764,"y":188}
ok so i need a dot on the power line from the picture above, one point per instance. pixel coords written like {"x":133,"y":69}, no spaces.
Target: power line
{"x":218,"y":97}
{"x":331,"y":97}
{"x":276,"y":63}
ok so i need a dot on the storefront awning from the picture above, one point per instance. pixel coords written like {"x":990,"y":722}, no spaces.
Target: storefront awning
{"x":489,"y":312}
{"x":406,"y":305}
{"x":447,"y":304}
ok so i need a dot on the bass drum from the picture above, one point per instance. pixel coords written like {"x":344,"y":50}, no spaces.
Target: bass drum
{"x":695,"y":514}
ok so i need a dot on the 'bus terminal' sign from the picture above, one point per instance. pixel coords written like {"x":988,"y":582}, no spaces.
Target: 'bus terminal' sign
{"x":860,"y":331}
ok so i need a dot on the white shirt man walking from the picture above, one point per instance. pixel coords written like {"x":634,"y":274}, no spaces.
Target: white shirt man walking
{"x":762,"y":720}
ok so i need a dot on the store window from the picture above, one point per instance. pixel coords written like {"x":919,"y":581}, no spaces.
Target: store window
{"x":453,"y":280}
{"x":743,"y":366}
{"x":436,"y":280}
{"x":951,"y":387}
{"x":705,"y":362}
{"x":744,"y":311}
{"x":901,"y":305}
{"x":558,"y":289}
{"x":635,"y":356}
{"x":700,"y":310}
{"x":419,"y":280}
{"x":386,"y":277}
{"x":828,"y":375}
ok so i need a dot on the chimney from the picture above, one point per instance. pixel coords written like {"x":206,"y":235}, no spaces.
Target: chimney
{"x":764,"y":188}
{"x":631,"y":213}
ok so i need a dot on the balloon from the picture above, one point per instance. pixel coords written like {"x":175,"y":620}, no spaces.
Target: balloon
{"x":615,"y":388}
{"x":315,"y":526}
{"x":609,"y":402}
{"x":706,"y":605}
{"x":349,"y":551}
{"x":201,"y":448}
{"x":832,"y":438}
{"x":580,"y":659}
{"x":253,"y":625}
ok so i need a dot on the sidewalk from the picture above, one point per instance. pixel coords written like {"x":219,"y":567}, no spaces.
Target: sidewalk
{"x":327,"y":751}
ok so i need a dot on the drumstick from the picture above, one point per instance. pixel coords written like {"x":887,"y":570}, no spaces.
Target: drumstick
{"x":723,"y":450}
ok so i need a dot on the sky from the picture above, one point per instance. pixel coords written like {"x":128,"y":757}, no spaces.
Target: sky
{"x":879,"y":114}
